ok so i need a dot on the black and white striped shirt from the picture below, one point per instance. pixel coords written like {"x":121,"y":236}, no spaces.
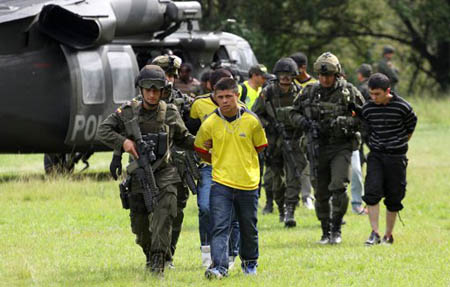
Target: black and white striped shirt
{"x":389,"y":125}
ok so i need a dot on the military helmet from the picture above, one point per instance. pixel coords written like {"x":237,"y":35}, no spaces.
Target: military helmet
{"x":151,"y":76}
{"x":285,"y":65}
{"x":327,"y":63}
{"x":169,"y":63}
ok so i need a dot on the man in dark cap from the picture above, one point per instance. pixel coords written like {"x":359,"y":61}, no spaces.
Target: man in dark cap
{"x":385,"y":66}
{"x":363,"y":73}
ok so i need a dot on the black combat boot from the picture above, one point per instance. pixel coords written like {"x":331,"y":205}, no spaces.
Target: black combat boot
{"x":335,"y":237}
{"x":325,"y":239}
{"x":268,"y":208}
{"x":282,"y":214}
{"x":289,"y":221}
{"x":157,"y":263}
{"x":148,"y":262}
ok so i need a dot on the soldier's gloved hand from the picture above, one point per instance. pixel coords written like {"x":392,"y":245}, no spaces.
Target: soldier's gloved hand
{"x":305,"y":124}
{"x":115,"y":167}
{"x":279,"y":126}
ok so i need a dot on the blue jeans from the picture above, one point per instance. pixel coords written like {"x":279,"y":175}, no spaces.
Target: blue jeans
{"x":204,"y":189}
{"x":245,"y":202}
{"x":357,"y":184}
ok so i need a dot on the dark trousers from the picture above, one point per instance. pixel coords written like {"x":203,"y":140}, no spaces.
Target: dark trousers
{"x":386,"y":177}
{"x":245,"y":202}
{"x":182,"y":197}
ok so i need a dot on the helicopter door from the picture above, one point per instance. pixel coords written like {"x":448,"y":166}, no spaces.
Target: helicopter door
{"x":101,"y":80}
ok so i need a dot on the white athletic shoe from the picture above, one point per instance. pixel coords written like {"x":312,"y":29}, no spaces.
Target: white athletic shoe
{"x":206,"y":255}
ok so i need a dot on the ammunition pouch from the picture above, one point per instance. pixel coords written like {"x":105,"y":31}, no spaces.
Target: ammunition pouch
{"x":124,"y":188}
{"x":160,"y":141}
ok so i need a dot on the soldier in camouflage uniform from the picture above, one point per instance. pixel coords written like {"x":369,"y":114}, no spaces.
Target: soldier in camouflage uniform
{"x":331,"y":105}
{"x":385,"y":66}
{"x":153,"y":230}
{"x":171,"y":64}
{"x":273,"y":107}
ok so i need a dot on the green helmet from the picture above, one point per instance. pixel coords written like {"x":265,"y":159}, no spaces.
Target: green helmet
{"x":169,"y":63}
{"x":327,"y":63}
{"x":285,"y":65}
{"x":151,"y":76}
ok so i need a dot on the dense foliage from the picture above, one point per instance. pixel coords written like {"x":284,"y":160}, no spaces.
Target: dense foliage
{"x":355,"y":31}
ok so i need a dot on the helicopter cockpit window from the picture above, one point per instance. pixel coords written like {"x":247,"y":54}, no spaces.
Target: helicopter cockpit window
{"x":122,"y":76}
{"x":92,"y":77}
{"x":243,"y":55}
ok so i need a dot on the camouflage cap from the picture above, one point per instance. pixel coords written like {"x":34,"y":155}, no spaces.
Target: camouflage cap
{"x":169,"y":63}
{"x":388,"y":49}
{"x":327,"y":63}
{"x":257,"y":70}
{"x":365,"y":70}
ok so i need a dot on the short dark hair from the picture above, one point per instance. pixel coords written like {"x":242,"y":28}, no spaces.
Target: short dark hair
{"x":186,"y":66}
{"x":226,"y":84}
{"x":300,"y":59}
{"x":219,"y":74}
{"x":365,"y":70}
{"x":205,"y":76}
{"x":379,"y":81}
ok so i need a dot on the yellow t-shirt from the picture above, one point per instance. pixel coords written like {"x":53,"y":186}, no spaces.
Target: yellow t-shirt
{"x":309,"y":81}
{"x":202,"y":107}
{"x":234,"y":156}
{"x":251,"y":95}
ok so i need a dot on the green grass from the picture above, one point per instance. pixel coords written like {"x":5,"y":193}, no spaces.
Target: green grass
{"x":71,"y":231}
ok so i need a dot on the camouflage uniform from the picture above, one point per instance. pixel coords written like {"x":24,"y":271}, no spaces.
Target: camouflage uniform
{"x":286,"y":192}
{"x":153,"y":231}
{"x":333,"y":109}
{"x":386,"y":67}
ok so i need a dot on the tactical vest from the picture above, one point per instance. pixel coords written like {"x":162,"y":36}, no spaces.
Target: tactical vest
{"x":150,"y":123}
{"x":326,"y":108}
{"x":283,"y":103}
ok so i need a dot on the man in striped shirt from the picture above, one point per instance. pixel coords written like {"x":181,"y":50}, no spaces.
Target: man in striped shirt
{"x":390,"y":123}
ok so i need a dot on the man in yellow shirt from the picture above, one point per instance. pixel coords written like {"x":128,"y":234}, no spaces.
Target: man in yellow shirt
{"x":236,"y":136}
{"x":250,"y":89}
{"x":202,"y":107}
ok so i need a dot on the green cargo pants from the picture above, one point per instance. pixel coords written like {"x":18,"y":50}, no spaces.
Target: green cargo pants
{"x":334,"y":173}
{"x":154,"y":231}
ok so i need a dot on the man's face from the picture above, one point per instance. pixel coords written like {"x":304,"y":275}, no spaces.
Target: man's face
{"x":285,"y":79}
{"x":360,"y":77}
{"x":327,"y":80}
{"x":227,"y":100}
{"x":170,"y":77}
{"x":185,"y":74}
{"x":388,"y":56}
{"x":302,"y":69}
{"x":259,"y":79}
{"x":151,"y":97}
{"x":380,"y":96}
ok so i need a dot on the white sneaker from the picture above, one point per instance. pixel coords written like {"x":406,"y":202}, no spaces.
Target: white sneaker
{"x":308,"y":203}
{"x":231,"y":260}
{"x":206,"y":255}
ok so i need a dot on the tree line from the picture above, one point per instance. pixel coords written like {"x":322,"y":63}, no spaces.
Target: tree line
{"x":354,"y":30}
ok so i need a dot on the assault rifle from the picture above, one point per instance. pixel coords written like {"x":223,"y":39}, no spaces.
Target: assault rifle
{"x":312,"y":148}
{"x":286,"y":145}
{"x":144,"y":171}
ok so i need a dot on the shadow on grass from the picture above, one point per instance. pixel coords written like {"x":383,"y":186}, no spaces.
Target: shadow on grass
{"x":95,"y":176}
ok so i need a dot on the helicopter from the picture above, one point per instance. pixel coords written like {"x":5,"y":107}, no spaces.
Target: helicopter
{"x":68,"y":64}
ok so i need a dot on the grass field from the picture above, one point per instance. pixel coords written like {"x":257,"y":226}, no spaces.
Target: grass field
{"x":71,"y":231}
